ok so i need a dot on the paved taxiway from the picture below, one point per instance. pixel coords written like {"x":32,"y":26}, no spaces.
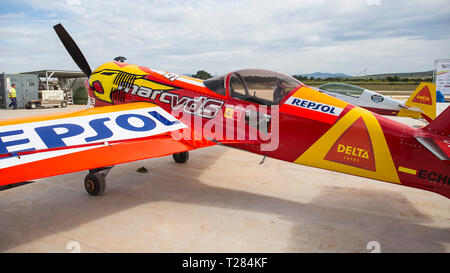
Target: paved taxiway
{"x":222,"y":200}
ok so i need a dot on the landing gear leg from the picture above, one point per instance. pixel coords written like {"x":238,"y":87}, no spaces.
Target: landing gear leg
{"x":95,"y":180}
{"x":181,"y":157}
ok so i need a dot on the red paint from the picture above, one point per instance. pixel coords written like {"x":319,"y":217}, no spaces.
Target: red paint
{"x":423,"y":96}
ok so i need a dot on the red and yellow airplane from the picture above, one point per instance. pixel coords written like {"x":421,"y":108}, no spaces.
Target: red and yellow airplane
{"x":143,"y":113}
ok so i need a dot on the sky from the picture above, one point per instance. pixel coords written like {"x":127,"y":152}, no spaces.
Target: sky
{"x":288,"y":36}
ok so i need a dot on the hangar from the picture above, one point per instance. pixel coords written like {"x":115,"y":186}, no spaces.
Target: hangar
{"x":29,"y":85}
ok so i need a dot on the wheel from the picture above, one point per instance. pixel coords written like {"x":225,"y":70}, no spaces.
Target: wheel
{"x":33,"y":106}
{"x":181,"y":157}
{"x":63,"y":104}
{"x":95,"y":183}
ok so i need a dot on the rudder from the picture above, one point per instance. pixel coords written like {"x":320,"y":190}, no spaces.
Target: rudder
{"x":441,"y":125}
{"x":424,"y":97}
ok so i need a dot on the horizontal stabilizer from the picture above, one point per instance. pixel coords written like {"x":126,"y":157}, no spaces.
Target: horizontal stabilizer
{"x":437,"y":147}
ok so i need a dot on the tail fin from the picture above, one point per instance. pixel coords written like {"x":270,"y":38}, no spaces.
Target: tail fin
{"x":424,"y":97}
{"x":439,"y":144}
{"x":441,"y":125}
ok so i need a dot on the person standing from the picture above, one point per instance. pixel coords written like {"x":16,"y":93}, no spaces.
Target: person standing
{"x":13,"y":96}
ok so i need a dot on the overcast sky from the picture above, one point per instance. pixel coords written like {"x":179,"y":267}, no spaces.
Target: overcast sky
{"x":302,"y":36}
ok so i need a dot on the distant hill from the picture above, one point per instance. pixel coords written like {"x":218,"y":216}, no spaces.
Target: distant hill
{"x":423,"y":74}
{"x":416,"y":75}
{"x":320,"y":75}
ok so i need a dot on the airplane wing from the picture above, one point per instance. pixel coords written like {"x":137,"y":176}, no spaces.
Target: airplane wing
{"x":38,"y":147}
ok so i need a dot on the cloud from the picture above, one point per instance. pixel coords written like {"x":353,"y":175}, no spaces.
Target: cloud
{"x":73,"y":2}
{"x":12,"y":15}
{"x":185,"y":36}
{"x":373,"y":2}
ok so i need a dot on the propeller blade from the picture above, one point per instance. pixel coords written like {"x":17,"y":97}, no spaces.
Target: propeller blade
{"x":73,"y":49}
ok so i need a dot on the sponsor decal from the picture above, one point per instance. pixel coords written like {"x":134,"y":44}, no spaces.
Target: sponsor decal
{"x":423,"y":96}
{"x":229,"y":113}
{"x":199,"y":106}
{"x":234,"y":112}
{"x":171,"y":76}
{"x":91,"y":100}
{"x":154,"y":91}
{"x":110,"y":85}
{"x":377,"y":98}
{"x":314,"y":106}
{"x":354,"y":147}
{"x":355,"y":144}
{"x":434,"y":177}
{"x":98,"y":128}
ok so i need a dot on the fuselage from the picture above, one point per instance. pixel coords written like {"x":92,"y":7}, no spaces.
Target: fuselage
{"x":307,"y":127}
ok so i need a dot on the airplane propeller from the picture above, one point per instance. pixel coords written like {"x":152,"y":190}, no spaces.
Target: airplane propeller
{"x":73,"y":49}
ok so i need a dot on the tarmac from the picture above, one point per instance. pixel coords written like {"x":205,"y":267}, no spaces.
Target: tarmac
{"x":221,"y":200}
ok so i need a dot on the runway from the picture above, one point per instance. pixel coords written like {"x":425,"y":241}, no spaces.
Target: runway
{"x":221,"y":200}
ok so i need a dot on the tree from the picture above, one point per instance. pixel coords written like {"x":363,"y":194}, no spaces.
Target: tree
{"x":202,"y":74}
{"x":301,"y":78}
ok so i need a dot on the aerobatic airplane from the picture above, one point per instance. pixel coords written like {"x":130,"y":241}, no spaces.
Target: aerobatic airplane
{"x":421,"y":103}
{"x":142,"y":113}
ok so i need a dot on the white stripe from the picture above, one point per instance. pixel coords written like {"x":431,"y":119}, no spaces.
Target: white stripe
{"x":180,"y":78}
{"x":26,"y":134}
{"x":186,"y":80}
{"x":24,"y":159}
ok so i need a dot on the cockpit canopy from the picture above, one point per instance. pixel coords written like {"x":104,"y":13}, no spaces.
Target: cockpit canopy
{"x":254,"y":85}
{"x":343,"y":89}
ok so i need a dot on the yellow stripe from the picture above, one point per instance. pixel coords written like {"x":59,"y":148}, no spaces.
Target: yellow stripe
{"x":407,"y":170}
{"x":192,"y":79}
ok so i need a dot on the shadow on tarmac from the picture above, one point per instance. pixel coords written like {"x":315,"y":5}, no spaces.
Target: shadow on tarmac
{"x":335,"y":219}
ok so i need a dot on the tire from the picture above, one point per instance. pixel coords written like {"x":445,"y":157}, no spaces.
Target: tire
{"x":182,"y":157}
{"x":33,"y":106}
{"x":63,"y":104}
{"x":95,"y":183}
